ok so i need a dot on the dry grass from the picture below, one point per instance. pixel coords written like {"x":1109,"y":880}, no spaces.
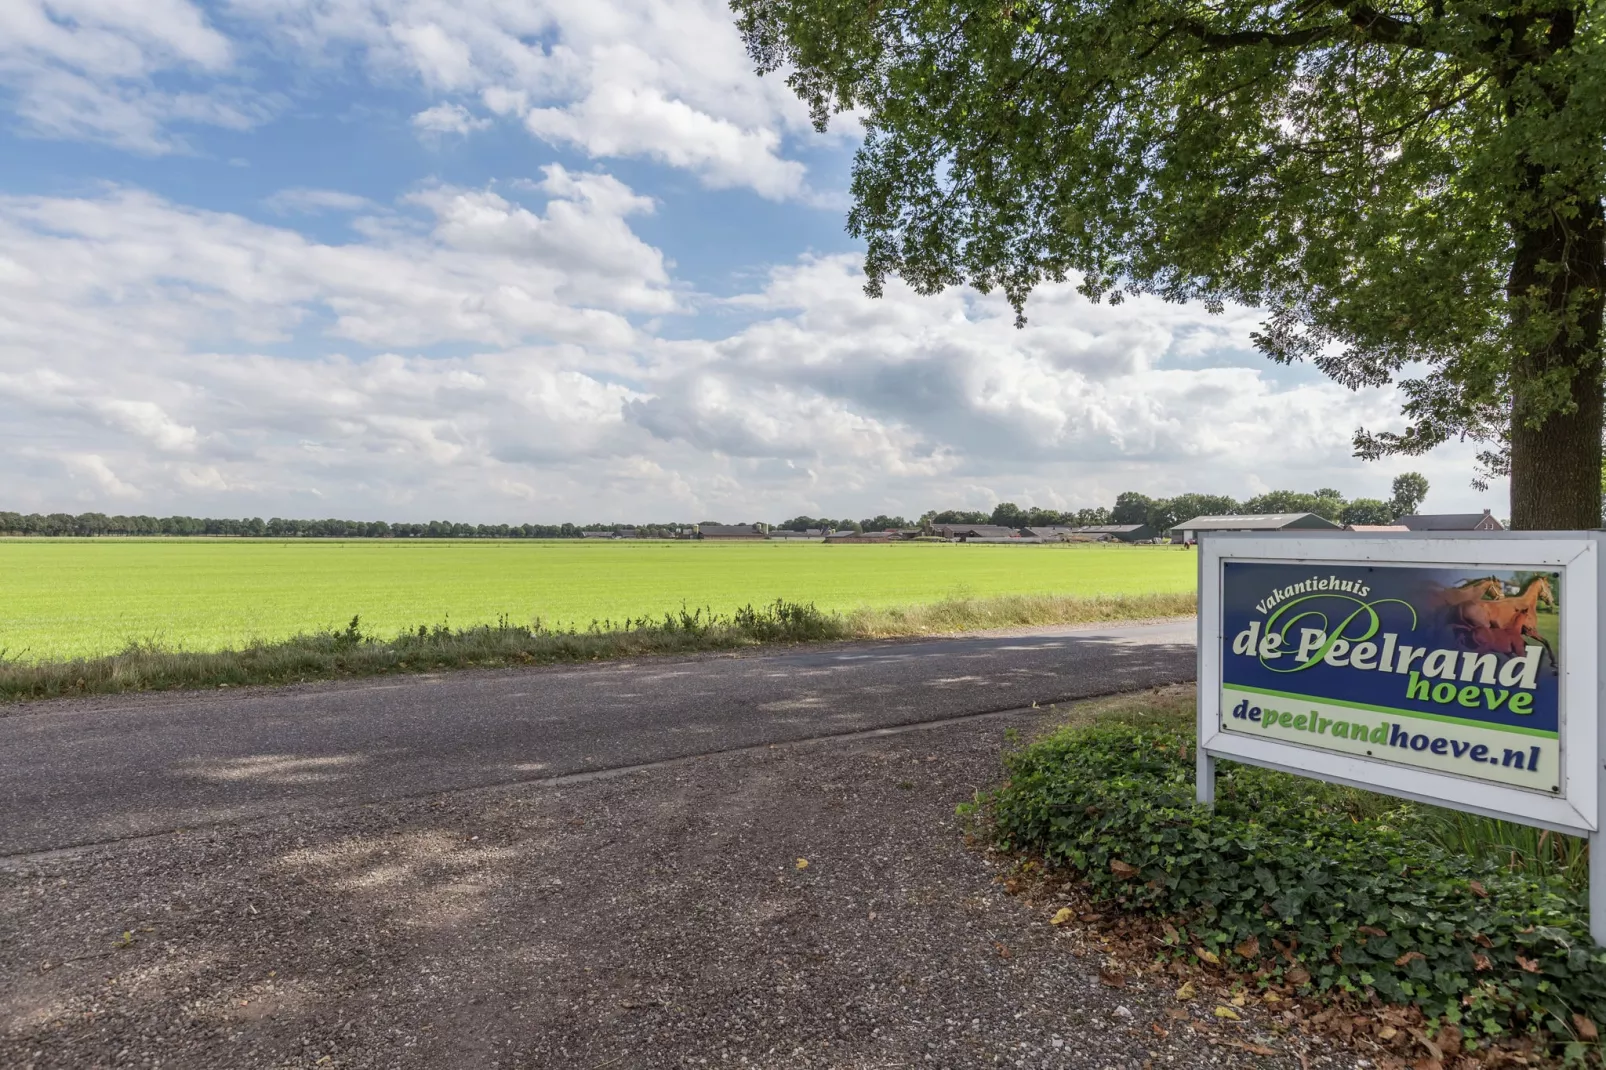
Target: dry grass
{"x":351,"y":652}
{"x":1015,"y":611}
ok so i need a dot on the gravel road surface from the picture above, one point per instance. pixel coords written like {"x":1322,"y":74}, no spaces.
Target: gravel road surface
{"x":371,"y":912}
{"x":74,"y":772}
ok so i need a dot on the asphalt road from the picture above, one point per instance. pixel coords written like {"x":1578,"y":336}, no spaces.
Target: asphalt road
{"x":79,"y":772}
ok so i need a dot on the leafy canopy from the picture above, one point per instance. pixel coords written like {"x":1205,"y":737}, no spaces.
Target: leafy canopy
{"x":1363,"y":172}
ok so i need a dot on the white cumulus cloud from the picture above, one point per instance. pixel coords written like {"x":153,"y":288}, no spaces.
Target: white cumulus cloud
{"x":667,"y":80}
{"x":473,"y":355}
{"x":115,"y":71}
{"x":448,"y":118}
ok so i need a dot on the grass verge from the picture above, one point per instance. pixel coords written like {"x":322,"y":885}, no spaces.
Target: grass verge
{"x":1014,"y":611}
{"x":350,"y":652}
{"x":1302,"y":890}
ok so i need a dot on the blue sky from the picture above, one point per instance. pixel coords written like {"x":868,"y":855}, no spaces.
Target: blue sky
{"x":546,"y":260}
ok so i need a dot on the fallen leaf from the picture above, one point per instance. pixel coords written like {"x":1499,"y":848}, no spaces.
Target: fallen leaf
{"x":1481,"y":962}
{"x":1207,"y":956}
{"x":1250,"y":948}
{"x":1062,"y":915}
{"x":1434,"y":1050}
{"x":1228,"y":1013}
{"x":1170,"y":933}
{"x":1176,"y":1012}
{"x":1371,"y":930}
{"x":1113,"y":979}
{"x":802,"y":863}
{"x":1003,"y":952}
{"x":1239,"y":1000}
{"x":1531,"y":965}
{"x":1122,"y":869}
{"x":1253,"y":1049}
{"x":1408,"y":958}
{"x":1586,"y":1028}
{"x":1388,"y":1032}
{"x":1157,"y":1029}
{"x":1272,"y":997}
{"x":1298,"y":976}
{"x":1478,"y":889}
{"x":1482,"y":941}
{"x":1186,"y":991}
{"x":1092,"y":917}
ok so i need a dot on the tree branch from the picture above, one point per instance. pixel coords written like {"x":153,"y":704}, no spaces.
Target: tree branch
{"x":1216,"y":41}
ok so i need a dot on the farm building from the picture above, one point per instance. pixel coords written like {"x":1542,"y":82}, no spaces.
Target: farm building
{"x":1363,"y":528}
{"x":970,"y":532}
{"x":1012,"y":540}
{"x":862,"y":536}
{"x":729,"y":531}
{"x":1052,"y":533}
{"x":811,"y":535}
{"x":1452,"y":522}
{"x":1116,"y":532}
{"x":1189,"y":530}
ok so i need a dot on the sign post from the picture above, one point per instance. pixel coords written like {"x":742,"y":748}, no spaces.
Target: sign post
{"x":1459,"y":670}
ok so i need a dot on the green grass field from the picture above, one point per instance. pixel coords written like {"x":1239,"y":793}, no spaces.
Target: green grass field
{"x":71,"y":598}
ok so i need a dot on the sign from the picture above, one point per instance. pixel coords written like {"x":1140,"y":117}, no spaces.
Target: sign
{"x":1452,"y":669}
{"x":1458,"y":669}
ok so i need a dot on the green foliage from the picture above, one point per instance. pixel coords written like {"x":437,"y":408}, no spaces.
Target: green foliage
{"x":1131,"y":508}
{"x":1009,"y":514}
{"x":960,"y":516}
{"x":1169,"y":512}
{"x":1328,"y":505}
{"x":1412,"y":188}
{"x":1547,"y":857}
{"x":1357,"y":896}
{"x":1367,"y":511}
{"x":1409,"y":490}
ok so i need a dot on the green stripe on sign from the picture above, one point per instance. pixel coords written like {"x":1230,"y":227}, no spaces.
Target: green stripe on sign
{"x":1394,"y":710}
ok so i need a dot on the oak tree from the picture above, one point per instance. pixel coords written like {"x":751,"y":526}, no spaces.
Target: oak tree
{"x":1412,"y":190}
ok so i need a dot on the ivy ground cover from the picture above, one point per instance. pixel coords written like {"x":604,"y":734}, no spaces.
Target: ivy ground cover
{"x":1304,"y":887}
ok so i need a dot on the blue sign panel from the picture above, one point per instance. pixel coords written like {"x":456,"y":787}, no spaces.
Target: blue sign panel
{"x":1447,"y":668}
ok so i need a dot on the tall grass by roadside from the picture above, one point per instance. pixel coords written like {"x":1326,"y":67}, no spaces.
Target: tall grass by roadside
{"x":350,"y":651}
{"x":1015,"y":611}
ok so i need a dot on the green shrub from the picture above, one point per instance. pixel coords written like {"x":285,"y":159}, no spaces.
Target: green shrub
{"x":1301,"y":882}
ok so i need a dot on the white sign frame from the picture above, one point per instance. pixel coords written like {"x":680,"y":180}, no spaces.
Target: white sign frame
{"x":1577,"y":555}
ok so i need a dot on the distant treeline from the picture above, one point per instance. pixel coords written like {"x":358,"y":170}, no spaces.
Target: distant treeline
{"x":1130,"y":508}
{"x":1161,"y":514}
{"x":89,"y":524}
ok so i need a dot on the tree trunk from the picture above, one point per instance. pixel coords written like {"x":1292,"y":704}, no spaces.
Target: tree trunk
{"x":1556,"y":458}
